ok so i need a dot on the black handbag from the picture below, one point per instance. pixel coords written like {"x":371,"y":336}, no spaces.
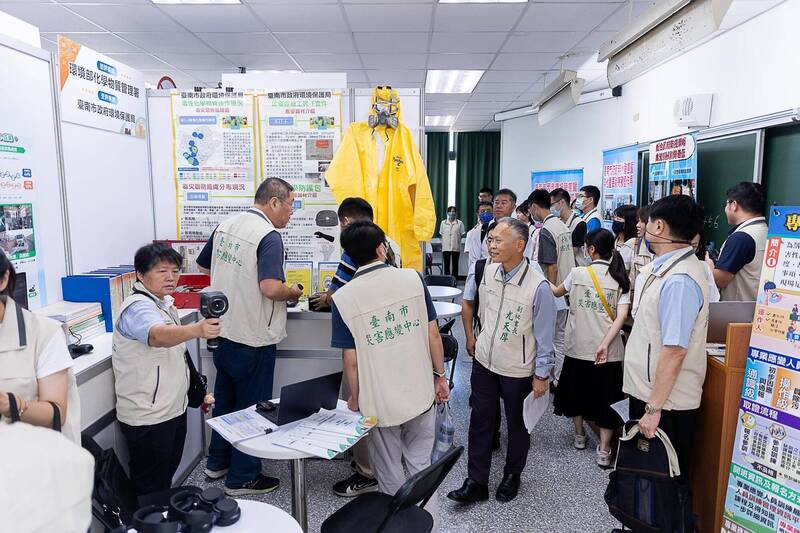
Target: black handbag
{"x":113,"y":497}
{"x":198,"y":384}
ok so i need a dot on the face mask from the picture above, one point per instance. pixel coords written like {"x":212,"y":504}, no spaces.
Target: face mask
{"x":486,"y":217}
{"x":617,"y":227}
{"x":451,"y":216}
{"x":535,"y":218}
{"x":555,"y":211}
{"x":579,"y":203}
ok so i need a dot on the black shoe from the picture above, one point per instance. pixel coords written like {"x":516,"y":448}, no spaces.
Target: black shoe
{"x":470,"y":492}
{"x":355,"y":485}
{"x":496,"y":441}
{"x":260,"y":485}
{"x":508,"y":488}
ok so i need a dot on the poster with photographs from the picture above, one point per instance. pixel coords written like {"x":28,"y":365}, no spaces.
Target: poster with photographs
{"x":620,"y":169}
{"x":299,"y":132}
{"x":673,"y":167}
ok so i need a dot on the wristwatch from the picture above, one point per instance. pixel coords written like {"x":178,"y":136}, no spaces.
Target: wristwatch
{"x":546,"y":378}
{"x":650,"y":410}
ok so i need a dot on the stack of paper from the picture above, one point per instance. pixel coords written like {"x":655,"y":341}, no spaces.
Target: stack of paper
{"x":240,"y":425}
{"x":326,"y":433}
{"x":80,"y":321}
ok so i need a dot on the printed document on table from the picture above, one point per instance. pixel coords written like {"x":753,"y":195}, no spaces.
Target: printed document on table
{"x":240,"y":425}
{"x":349,"y":424}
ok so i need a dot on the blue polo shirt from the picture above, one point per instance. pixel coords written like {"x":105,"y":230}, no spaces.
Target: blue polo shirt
{"x":679,"y":304}
{"x":739,"y":249}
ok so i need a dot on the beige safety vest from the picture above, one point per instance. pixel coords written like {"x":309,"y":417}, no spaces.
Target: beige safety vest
{"x":21,"y":344}
{"x":451,"y":235}
{"x":641,"y":258}
{"x":588,"y":321}
{"x":506,"y":344}
{"x":563,"y":237}
{"x":644,"y":346}
{"x":744,"y":285}
{"x":150,"y":383}
{"x":385,"y":310}
{"x":252,"y":318}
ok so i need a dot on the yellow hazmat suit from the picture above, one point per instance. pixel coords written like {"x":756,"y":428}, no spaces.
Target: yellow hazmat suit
{"x":399,"y":191}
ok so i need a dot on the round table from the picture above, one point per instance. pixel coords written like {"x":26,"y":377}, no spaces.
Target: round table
{"x":439,"y":292}
{"x":447,"y":309}
{"x":264,"y":448}
{"x":256,"y":516}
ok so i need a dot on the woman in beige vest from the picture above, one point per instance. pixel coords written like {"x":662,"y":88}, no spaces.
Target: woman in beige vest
{"x":624,"y":228}
{"x":591,"y":379}
{"x":35,"y":365}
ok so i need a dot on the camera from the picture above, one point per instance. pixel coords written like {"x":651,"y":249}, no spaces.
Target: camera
{"x":213,"y":304}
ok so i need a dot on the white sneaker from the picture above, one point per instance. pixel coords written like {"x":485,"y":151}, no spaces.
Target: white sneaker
{"x":603,"y":458}
{"x":579,"y":442}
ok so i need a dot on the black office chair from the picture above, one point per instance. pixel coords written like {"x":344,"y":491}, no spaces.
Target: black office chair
{"x":376,"y":512}
{"x":440,"y":280}
{"x":450,"y":345}
{"x":445,"y":328}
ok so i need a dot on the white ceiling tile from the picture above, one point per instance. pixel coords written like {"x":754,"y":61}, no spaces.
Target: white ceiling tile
{"x":392,"y":76}
{"x":314,"y":43}
{"x":492,"y":97}
{"x":622,"y":16}
{"x":105,"y":43}
{"x":520,"y":76}
{"x":543,"y":41}
{"x":460,"y":61}
{"x":171,"y":42}
{"x":594,"y":40}
{"x":359,"y":85}
{"x":211,"y":77}
{"x":328,"y":62}
{"x":127,"y":18}
{"x":394,"y":61}
{"x":225,"y":18}
{"x":285,"y":2}
{"x":498,"y":88}
{"x":584,"y":61}
{"x":405,"y":17}
{"x":301,"y":18}
{"x":262,"y":61}
{"x":467,"y":42}
{"x":477,"y":17}
{"x":197,"y":61}
{"x":409,"y":42}
{"x":139,"y":61}
{"x":356,"y":76}
{"x":241,"y":43}
{"x":525,"y":61}
{"x":95,"y":1}
{"x":181,"y":80}
{"x":49,"y":17}
{"x":477,"y":106}
{"x":385,"y":1}
{"x":565,"y":17}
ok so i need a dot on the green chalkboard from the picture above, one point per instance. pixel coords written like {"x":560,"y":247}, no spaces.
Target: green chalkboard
{"x":722,"y":163}
{"x":781,"y":171}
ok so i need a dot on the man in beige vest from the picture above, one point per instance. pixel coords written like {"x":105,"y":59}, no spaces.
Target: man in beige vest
{"x":513,"y":356}
{"x":557,"y":259}
{"x":738,"y":269}
{"x":560,"y":206}
{"x":385,"y":323}
{"x":665,"y":358}
{"x":245,"y":258}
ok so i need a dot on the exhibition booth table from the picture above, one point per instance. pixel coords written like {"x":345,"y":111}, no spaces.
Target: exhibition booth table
{"x":439,"y":292}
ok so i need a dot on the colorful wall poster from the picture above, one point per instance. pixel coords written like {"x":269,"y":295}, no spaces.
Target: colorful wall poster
{"x":214,"y":158}
{"x":763,"y":493}
{"x":620,"y":169}
{"x":570,"y":180}
{"x":299,"y":132}
{"x":325,"y":274}
{"x":300,"y":272}
{"x":673,"y":167}
{"x":19,"y":216}
{"x":189,"y":251}
{"x":99,"y":91}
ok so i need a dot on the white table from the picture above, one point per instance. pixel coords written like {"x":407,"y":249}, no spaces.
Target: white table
{"x":447,"y":309}
{"x":263,"y":447}
{"x":259,"y":516}
{"x":439,"y":292}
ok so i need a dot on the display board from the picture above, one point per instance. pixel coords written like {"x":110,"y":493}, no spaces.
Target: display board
{"x":31,"y":215}
{"x":214,"y":158}
{"x":620,"y":174}
{"x":673,"y":167}
{"x":763,"y":494}
{"x":570,"y":180}
{"x":782,"y":165}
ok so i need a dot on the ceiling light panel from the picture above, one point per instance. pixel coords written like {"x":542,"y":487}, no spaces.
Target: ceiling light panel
{"x":482,"y":1}
{"x":452,"y":81}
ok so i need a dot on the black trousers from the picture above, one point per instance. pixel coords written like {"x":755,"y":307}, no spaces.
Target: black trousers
{"x":450,"y":258}
{"x":487,"y":389}
{"x":155,"y":453}
{"x":680,"y":427}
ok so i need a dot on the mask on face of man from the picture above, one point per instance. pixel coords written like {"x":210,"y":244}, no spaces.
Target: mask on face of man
{"x":486,"y":217}
{"x":580,"y":203}
{"x":555,"y":211}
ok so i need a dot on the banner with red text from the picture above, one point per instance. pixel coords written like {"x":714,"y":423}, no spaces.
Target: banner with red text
{"x":620,"y":170}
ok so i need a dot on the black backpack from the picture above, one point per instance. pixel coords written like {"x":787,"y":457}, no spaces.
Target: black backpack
{"x":644,"y":492}
{"x":113,"y":498}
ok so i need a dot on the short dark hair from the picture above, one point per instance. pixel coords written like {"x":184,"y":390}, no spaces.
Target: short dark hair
{"x":360,"y":240}
{"x":749,"y":195}
{"x":272,"y":188}
{"x":452,"y":208}
{"x":627,"y":212}
{"x":593,"y":192}
{"x":559,"y":194}
{"x":355,"y":208}
{"x":486,"y":189}
{"x":483,"y":204}
{"x":540,"y":197}
{"x":682,"y":214}
{"x":507,"y":192}
{"x":6,"y":266}
{"x":150,"y":255}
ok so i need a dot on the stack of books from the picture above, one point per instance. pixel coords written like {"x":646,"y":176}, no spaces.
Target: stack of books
{"x":80,"y":321}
